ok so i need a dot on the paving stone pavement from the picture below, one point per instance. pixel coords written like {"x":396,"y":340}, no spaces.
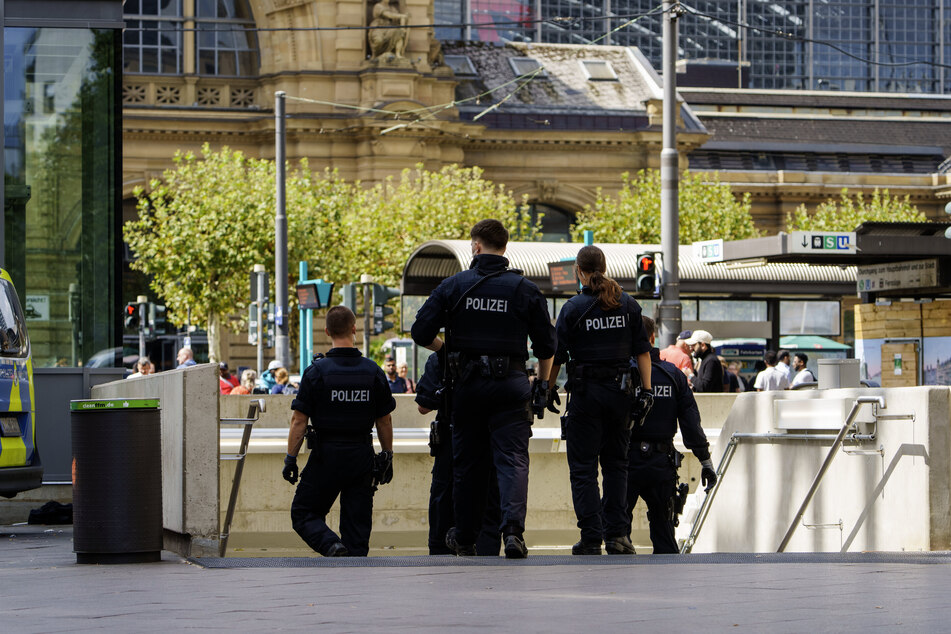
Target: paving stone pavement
{"x":42,"y":589}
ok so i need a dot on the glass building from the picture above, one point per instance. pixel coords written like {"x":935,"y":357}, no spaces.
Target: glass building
{"x":62,"y":159}
{"x":855,"y":45}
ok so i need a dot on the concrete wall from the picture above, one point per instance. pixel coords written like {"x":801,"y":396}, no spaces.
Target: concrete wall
{"x":400,"y":522}
{"x":898,"y":499}
{"x":189,"y":402}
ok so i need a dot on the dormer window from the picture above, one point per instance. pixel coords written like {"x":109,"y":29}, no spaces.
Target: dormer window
{"x":598,"y":70}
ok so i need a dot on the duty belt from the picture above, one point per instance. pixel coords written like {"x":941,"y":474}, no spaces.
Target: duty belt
{"x":462,"y":365}
{"x":649,"y":447}
{"x":598,"y":372}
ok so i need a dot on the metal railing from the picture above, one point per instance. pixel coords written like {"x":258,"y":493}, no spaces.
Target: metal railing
{"x":739,"y":437}
{"x":255,"y":407}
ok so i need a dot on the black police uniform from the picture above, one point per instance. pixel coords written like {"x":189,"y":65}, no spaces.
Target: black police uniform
{"x":652,"y":475}
{"x":600,"y":345}
{"x":343,"y":394}
{"x":441,"y":514}
{"x":491,"y":414}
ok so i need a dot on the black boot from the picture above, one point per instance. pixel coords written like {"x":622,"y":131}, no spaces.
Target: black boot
{"x":515,"y":547}
{"x":619,"y":545}
{"x":586,"y":548}
{"x":461,"y":550}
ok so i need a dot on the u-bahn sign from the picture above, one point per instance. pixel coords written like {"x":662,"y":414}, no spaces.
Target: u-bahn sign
{"x":822,"y":242}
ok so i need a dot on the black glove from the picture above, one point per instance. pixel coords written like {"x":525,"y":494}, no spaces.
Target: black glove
{"x":539,"y":398}
{"x":643,"y":402}
{"x":553,"y":399}
{"x":708,"y":475}
{"x":290,"y":469}
{"x":382,"y":468}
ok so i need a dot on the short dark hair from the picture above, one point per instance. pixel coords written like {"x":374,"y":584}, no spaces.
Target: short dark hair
{"x":649,"y":326}
{"x":782,"y":355}
{"x":340,"y":321}
{"x":491,"y":233}
{"x":770,"y":357}
{"x":803,"y":356}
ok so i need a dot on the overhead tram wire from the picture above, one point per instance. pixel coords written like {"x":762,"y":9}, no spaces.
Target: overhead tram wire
{"x":688,"y":10}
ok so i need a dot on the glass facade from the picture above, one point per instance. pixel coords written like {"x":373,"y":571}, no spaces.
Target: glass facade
{"x":60,"y":154}
{"x":860,"y":45}
{"x":221,"y":32}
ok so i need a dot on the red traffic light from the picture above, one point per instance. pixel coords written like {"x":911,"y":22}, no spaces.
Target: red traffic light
{"x":645,"y":263}
{"x":130,"y":309}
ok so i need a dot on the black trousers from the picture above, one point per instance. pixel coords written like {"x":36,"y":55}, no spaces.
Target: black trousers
{"x":652,"y":478}
{"x":491,"y":425}
{"x":336,"y":469}
{"x":442,"y":514}
{"x":597,"y":432}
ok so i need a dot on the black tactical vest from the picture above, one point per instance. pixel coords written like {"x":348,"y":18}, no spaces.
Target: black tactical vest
{"x":346,"y":398}
{"x":599,"y":336}
{"x":485,"y":320}
{"x":661,"y":421}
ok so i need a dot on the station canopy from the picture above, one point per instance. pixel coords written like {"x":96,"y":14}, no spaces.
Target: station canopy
{"x":436,"y":260}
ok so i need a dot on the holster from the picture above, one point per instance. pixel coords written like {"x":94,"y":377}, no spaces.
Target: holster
{"x":311,"y":436}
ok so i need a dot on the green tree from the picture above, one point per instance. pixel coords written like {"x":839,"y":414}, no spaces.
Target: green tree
{"x":707,"y":211}
{"x":203,"y":227}
{"x":848,"y":212}
{"x":398,"y":215}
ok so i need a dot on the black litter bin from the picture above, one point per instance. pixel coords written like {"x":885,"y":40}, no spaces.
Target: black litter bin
{"x":117,"y":481}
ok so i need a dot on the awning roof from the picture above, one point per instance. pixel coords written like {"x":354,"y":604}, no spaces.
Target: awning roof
{"x":810,"y":342}
{"x":438,"y":259}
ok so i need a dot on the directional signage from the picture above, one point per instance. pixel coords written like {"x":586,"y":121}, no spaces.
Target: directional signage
{"x":876,"y":278}
{"x":708,"y":250}
{"x":821,"y":242}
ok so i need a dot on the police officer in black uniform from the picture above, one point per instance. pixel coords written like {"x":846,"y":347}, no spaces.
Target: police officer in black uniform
{"x":429,"y":397}
{"x":601,"y":331}
{"x":653,"y":460}
{"x":343,"y":394}
{"x":489,"y":311}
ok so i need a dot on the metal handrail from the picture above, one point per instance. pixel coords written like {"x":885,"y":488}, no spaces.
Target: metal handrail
{"x":727,"y":458}
{"x":877,"y":401}
{"x":255,"y":407}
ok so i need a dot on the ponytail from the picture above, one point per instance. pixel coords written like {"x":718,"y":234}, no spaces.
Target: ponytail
{"x":591,"y":261}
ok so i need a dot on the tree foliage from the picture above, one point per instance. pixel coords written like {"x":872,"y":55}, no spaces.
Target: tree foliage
{"x":203,"y":227}
{"x":707,"y":211}
{"x":849,"y":211}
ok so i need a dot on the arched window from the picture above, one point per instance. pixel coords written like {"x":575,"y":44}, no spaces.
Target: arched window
{"x":221,"y":32}
{"x":556,"y":223}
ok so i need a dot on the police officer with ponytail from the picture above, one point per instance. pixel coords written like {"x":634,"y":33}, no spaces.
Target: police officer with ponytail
{"x":599,"y":332}
{"x":489,"y":311}
{"x":653,"y":461}
{"x":344,"y":395}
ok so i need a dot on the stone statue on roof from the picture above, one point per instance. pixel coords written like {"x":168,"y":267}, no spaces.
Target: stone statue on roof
{"x":391,"y":39}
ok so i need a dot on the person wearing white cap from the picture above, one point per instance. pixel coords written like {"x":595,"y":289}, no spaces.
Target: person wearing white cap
{"x":266,"y":380}
{"x":709,"y":372}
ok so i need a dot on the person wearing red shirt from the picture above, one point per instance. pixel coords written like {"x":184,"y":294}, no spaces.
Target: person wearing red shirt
{"x":678,"y":353}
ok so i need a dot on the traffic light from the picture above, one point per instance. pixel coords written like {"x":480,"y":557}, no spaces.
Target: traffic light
{"x":352,"y":296}
{"x":131,"y":316}
{"x":157,"y":323}
{"x":646,"y":274}
{"x":381,"y":295}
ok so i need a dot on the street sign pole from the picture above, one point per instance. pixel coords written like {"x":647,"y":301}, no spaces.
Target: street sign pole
{"x":367,"y":281}
{"x":259,"y":301}
{"x":143,"y":303}
{"x":669,"y":312}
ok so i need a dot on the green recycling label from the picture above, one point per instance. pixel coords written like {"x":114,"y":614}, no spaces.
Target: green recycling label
{"x":114,"y":403}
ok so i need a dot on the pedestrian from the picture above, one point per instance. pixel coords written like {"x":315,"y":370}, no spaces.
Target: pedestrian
{"x":782,"y":363}
{"x":709,"y":372}
{"x":600,"y":330}
{"x":248,"y":377}
{"x":489,"y":312}
{"x":803,"y":374}
{"x":678,"y":353}
{"x":731,"y":383}
{"x":266,"y":381}
{"x":734,"y":368}
{"x":772,"y":378}
{"x":186,"y":358}
{"x":403,"y":370}
{"x":429,"y":398}
{"x":344,"y":395}
{"x":143,"y":367}
{"x":653,"y":460}
{"x":226,"y":381}
{"x":281,"y":381}
{"x":397,"y":385}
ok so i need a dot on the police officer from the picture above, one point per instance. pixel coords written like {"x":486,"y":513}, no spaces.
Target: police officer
{"x":601,"y":331}
{"x":429,"y":397}
{"x":489,"y":311}
{"x":653,"y":460}
{"x":344,"y":395}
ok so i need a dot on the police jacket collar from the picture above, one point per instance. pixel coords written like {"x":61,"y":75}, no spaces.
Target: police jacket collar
{"x":489,"y":263}
{"x":655,"y":355}
{"x":344,"y":352}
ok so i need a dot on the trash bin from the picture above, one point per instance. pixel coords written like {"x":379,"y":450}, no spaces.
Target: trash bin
{"x":117,"y":480}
